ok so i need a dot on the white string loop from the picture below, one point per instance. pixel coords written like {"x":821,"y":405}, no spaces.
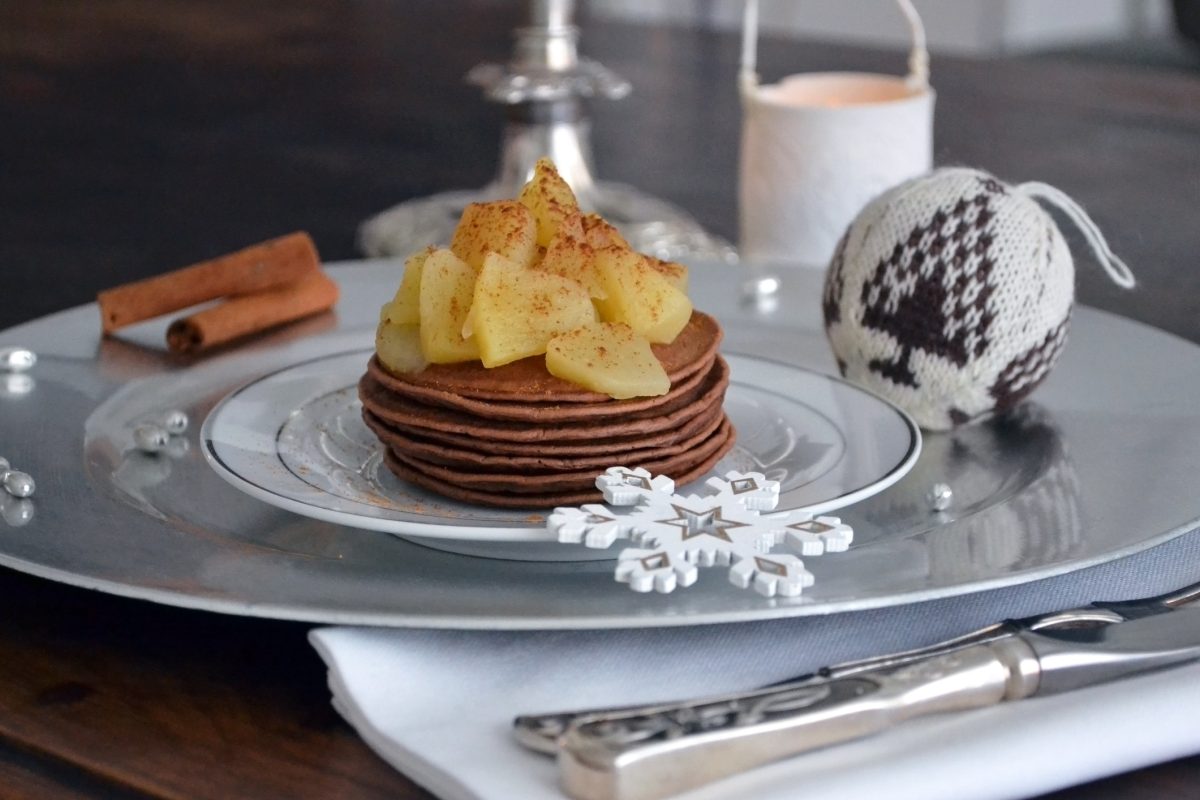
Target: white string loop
{"x":1117,"y":269}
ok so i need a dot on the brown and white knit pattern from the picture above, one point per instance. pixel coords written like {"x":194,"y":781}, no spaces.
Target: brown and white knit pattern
{"x":950,"y":295}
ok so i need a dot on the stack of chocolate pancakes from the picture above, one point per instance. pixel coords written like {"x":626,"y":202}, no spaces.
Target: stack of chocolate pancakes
{"x":515,"y":436}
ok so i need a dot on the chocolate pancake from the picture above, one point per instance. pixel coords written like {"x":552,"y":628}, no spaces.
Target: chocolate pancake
{"x":505,"y":499}
{"x":482,"y":457}
{"x":529,"y":482}
{"x":408,"y":415}
{"x":527,"y":381}
{"x":682,"y":392}
{"x":582,"y":447}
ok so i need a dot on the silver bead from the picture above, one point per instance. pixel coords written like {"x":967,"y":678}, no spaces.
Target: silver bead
{"x":16,"y":359}
{"x":176,"y":422}
{"x":18,"y":484}
{"x":150,"y":438}
{"x":939,"y":497}
{"x":16,"y":512}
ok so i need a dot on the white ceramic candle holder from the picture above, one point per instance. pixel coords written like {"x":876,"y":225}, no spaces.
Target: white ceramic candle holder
{"x":817,"y":146}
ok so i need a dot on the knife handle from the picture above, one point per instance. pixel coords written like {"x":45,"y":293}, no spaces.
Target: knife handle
{"x":541,"y":732}
{"x":646,"y":756}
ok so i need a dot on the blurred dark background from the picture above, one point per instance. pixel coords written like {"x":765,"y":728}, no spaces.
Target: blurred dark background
{"x":140,"y":135}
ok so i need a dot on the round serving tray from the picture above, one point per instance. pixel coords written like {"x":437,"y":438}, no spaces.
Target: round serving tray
{"x":1100,"y":464}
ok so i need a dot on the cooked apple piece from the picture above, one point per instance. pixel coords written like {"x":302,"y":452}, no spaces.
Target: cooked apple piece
{"x":570,"y":256}
{"x":550,"y":199}
{"x":608,"y":357}
{"x":599,"y":233}
{"x":399,"y":347}
{"x":675,"y":273}
{"x":405,"y":307}
{"x":447,"y":285}
{"x":637,"y":295}
{"x":517,"y":310}
{"x":504,"y":226}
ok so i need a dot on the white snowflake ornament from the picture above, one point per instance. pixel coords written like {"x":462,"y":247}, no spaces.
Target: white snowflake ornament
{"x":676,"y":534}
{"x":814,"y":537}
{"x":750,"y":489}
{"x":644,"y":570}
{"x":591,"y":525}
{"x":782,"y":575}
{"x":625,"y":487}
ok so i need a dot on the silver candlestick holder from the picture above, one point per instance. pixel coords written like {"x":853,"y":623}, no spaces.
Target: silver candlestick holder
{"x":544,"y":90}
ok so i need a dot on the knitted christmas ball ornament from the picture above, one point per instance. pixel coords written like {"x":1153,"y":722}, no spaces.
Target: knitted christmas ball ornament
{"x":951,"y":293}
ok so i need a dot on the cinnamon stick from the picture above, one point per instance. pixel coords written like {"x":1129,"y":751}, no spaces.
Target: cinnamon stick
{"x":251,"y":313}
{"x":262,"y":266}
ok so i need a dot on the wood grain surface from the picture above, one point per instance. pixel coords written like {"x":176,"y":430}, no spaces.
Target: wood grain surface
{"x":138,"y":136}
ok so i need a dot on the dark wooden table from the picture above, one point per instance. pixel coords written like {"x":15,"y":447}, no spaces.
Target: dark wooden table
{"x":140,"y":135}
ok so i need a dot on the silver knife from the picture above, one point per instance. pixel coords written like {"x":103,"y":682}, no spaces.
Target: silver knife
{"x":647,"y":756}
{"x":542,"y":732}
{"x":545,"y":732}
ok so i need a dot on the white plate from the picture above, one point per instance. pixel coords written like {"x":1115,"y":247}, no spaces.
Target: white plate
{"x":295,"y":439}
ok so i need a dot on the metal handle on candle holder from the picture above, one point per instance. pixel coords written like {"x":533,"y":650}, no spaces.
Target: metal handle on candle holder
{"x":918,"y":54}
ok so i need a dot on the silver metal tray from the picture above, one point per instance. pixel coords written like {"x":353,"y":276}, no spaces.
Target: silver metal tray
{"x":1101,"y":463}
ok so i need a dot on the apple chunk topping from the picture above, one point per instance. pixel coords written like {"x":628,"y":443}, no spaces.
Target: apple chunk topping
{"x":550,"y":199}
{"x":399,"y":347}
{"x":447,"y":285}
{"x":516,"y":311}
{"x":610,"y":358}
{"x":504,"y":226}
{"x":639,"y":296}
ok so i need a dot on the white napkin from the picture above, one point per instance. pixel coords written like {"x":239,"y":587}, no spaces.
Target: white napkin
{"x":438,"y":705}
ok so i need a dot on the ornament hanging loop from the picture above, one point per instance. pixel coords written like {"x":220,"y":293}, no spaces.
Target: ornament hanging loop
{"x":1117,"y":270}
